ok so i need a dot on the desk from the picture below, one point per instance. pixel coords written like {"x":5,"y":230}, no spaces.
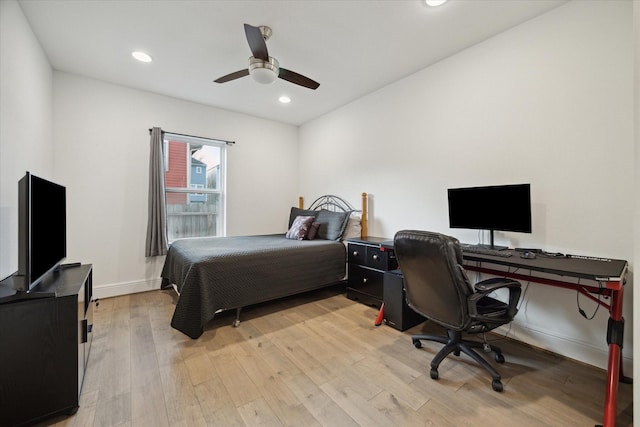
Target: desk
{"x":609,"y":276}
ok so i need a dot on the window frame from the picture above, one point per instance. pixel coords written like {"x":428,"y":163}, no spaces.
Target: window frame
{"x":221,"y":190}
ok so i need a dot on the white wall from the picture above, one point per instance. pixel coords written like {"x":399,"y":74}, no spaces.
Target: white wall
{"x":550,"y":103}
{"x":26,"y":142}
{"x":102,"y":155}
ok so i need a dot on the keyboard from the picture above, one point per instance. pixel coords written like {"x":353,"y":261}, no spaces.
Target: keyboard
{"x":485,"y":251}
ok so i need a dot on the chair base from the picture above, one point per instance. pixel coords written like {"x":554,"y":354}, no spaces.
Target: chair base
{"x":454,"y":343}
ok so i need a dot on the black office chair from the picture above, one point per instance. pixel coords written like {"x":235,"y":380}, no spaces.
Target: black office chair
{"x":438,"y":288}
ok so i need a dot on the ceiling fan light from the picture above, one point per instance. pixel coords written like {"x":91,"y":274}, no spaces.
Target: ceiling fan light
{"x":264,"y":72}
{"x":263,"y":75}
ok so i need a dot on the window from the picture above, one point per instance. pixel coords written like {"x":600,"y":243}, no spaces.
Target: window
{"x":195,"y":187}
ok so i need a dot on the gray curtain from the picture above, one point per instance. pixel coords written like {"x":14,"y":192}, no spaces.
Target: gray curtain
{"x":157,"y":216}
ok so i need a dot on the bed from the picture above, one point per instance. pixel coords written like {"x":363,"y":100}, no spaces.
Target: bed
{"x":211,"y":275}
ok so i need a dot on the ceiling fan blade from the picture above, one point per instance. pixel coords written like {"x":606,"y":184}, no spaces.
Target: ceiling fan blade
{"x":298,"y":79}
{"x":232,"y":76}
{"x":256,"y":42}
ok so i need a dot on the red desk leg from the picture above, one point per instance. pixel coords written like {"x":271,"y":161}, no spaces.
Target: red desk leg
{"x":614,"y":365}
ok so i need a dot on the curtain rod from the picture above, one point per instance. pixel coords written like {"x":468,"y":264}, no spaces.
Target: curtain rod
{"x":201,"y":137}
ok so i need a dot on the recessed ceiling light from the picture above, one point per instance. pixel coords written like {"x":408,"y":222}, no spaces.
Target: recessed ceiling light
{"x":284,"y":99}
{"x":141,"y":56}
{"x":434,"y":3}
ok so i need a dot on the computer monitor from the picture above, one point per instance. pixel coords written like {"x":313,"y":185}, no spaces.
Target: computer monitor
{"x":500,"y":207}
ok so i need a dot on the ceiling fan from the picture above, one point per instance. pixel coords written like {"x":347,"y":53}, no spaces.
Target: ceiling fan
{"x":262,"y":67}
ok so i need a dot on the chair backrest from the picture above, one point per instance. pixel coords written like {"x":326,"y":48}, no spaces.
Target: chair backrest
{"x":435,"y":283}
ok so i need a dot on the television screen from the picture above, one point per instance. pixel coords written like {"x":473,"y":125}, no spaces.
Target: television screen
{"x":42,"y":229}
{"x":502,"y":207}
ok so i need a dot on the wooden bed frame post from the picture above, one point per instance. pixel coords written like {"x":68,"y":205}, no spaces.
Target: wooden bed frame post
{"x":301,"y":202}
{"x":363,"y":220}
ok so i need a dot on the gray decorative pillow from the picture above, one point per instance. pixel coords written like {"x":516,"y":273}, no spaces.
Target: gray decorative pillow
{"x":332,"y":224}
{"x":295,"y":212}
{"x":299,"y":228}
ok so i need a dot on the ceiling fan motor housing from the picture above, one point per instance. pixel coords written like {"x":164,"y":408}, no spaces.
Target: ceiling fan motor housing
{"x":262,"y":71}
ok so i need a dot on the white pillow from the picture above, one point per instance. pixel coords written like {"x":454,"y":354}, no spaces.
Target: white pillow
{"x":354,"y":226}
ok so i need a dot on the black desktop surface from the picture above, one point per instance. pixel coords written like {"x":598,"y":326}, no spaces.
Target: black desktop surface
{"x":585,"y":267}
{"x":593,"y":268}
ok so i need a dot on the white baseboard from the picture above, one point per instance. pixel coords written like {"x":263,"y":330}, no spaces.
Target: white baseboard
{"x":125,"y":288}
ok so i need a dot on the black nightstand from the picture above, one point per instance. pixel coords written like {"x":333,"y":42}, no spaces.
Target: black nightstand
{"x":369,"y":258}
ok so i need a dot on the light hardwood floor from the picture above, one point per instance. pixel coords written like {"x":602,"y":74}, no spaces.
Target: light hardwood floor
{"x":315,"y":360}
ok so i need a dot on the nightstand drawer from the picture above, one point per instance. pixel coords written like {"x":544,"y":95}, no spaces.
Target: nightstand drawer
{"x":366,"y":281}
{"x":372,"y":256}
{"x":381,"y":259}
{"x":357,"y":253}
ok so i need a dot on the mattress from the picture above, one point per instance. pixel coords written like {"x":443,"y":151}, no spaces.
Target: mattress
{"x":221,"y":273}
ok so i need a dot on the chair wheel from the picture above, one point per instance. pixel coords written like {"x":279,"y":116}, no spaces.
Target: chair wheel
{"x":417,"y":344}
{"x":496,"y":385}
{"x":434,"y":374}
{"x":499,"y":358}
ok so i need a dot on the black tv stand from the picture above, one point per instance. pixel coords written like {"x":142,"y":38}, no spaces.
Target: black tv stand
{"x":21,"y":296}
{"x":45,"y":337}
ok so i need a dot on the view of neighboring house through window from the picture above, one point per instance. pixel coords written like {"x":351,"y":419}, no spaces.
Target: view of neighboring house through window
{"x":194,"y":182}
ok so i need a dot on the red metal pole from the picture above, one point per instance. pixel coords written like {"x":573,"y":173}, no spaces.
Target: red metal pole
{"x":380,"y":316}
{"x":614,"y":365}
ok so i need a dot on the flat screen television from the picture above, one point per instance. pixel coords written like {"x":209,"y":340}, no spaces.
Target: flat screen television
{"x":42,"y":230}
{"x":500,"y":207}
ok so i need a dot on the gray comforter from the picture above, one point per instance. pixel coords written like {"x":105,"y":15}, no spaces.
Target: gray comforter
{"x":221,"y":273}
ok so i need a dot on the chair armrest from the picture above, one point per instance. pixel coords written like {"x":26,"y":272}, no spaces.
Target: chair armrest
{"x":485,"y":287}
{"x":490,"y":285}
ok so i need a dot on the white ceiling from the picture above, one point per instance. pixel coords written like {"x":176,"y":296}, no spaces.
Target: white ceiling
{"x":351,"y":47}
